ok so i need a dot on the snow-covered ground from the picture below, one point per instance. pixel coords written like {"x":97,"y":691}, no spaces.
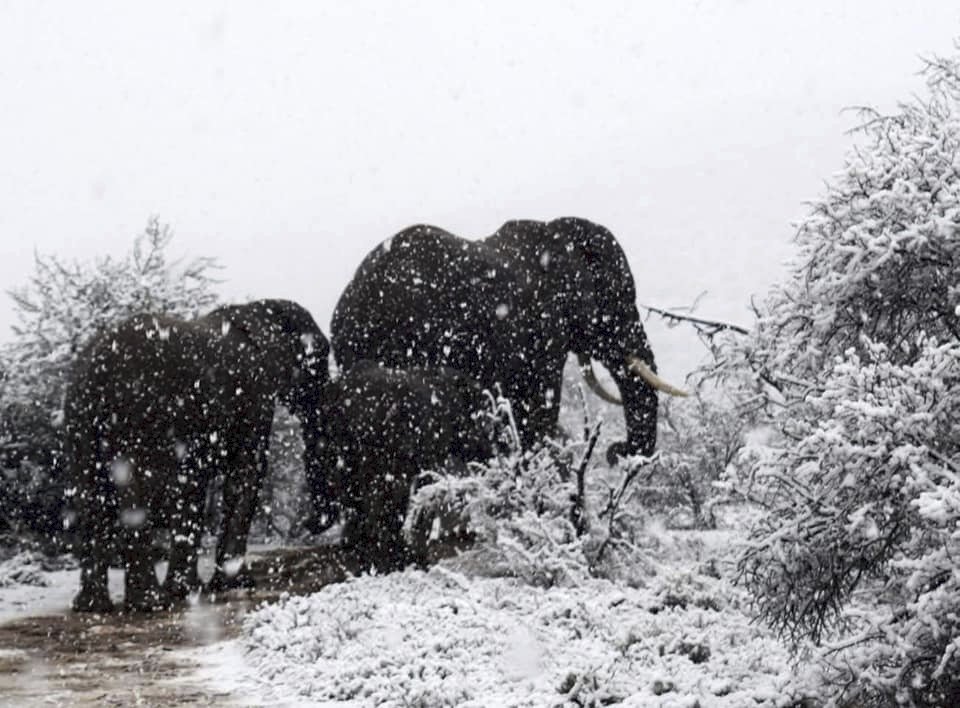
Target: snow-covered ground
{"x":455,"y":636}
{"x":448,"y":637}
{"x":26,"y":588}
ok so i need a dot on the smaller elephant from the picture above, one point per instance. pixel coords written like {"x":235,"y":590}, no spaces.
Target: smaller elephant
{"x":382,"y":427}
{"x":157,"y":406}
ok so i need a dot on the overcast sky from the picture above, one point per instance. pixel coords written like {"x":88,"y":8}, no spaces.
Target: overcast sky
{"x":287,"y":139}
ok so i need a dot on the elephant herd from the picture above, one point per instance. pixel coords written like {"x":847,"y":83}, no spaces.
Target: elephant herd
{"x":157,"y":407}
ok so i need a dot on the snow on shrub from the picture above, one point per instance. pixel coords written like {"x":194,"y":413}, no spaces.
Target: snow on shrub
{"x":699,"y":439}
{"x":869,"y":500}
{"x":544,"y":515}
{"x":22,"y":569}
{"x":439,"y":639}
{"x":856,"y":357}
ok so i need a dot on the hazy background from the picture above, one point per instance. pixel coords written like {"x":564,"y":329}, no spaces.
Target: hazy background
{"x":287,"y":139}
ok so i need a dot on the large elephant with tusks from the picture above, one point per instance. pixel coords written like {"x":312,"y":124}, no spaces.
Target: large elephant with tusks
{"x":156,"y":407}
{"x":506,"y":310}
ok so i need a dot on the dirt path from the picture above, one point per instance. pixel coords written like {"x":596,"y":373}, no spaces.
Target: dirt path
{"x":126,"y":660}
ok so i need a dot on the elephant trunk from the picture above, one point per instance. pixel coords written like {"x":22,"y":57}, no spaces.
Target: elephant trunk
{"x":320,"y":467}
{"x":630,"y":362}
{"x":638,"y":385}
{"x":639,"y":411}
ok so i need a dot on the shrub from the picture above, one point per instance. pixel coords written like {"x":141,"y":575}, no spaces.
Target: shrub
{"x":855,"y":358}
{"x":544,"y":515}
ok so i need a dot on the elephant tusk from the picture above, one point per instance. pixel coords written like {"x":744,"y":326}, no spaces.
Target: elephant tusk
{"x":586,"y":369}
{"x":643,"y":370}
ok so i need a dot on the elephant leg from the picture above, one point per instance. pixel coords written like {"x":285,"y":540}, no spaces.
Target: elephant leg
{"x":392,"y":548}
{"x":380,"y":540}
{"x":141,"y":587}
{"x":93,"y":595}
{"x":133,"y":490}
{"x":182,"y":577}
{"x":186,"y":526}
{"x":94,"y":547}
{"x":241,"y":487}
{"x":420,"y":532}
{"x":536,"y":409}
{"x":322,"y":476}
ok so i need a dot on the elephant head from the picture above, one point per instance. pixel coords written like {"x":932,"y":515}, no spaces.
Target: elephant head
{"x":287,"y":353}
{"x":584,"y":286}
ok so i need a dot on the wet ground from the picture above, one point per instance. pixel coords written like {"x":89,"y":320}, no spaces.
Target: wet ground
{"x":71,"y":659}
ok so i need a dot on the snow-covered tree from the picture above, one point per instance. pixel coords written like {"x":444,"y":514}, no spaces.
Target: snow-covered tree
{"x":58,"y":309}
{"x":857,"y":356}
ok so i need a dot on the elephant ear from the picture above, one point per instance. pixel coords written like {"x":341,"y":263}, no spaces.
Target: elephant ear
{"x":559,"y":286}
{"x":605,"y":261}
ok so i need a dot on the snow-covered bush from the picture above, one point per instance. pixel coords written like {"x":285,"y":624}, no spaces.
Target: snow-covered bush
{"x":441,"y":638}
{"x":544,"y":515}
{"x":699,"y":438}
{"x":22,"y":569}
{"x":59,"y":308}
{"x":856,"y":357}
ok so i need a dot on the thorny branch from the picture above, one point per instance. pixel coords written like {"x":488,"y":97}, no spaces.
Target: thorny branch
{"x":705,"y":328}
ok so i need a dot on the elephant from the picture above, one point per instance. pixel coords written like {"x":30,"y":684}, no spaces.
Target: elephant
{"x":384,"y":426}
{"x":506,"y":310}
{"x":156,"y":406}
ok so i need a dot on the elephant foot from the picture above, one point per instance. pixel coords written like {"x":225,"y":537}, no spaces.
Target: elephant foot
{"x":419,"y":557}
{"x":320,"y":522}
{"x":153,"y":601}
{"x":179,"y":589}
{"x":93,"y":600}
{"x":384,"y":560}
{"x":223,"y":581}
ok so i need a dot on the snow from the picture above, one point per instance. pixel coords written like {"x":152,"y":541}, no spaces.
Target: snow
{"x":443,"y":638}
{"x":27,"y":589}
{"x":454,"y":635}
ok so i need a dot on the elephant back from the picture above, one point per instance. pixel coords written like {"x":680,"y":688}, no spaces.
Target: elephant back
{"x":425,"y":298}
{"x":149,"y":374}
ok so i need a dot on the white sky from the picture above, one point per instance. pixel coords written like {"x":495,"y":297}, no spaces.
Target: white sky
{"x":287,"y":139}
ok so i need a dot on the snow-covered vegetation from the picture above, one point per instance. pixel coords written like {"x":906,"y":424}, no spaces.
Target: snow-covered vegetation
{"x":443,"y":638}
{"x":569,"y":594}
{"x":856,"y":359}
{"x":844,"y":437}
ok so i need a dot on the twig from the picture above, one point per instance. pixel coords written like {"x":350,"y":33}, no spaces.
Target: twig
{"x":577,"y":513}
{"x":714,"y":325}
